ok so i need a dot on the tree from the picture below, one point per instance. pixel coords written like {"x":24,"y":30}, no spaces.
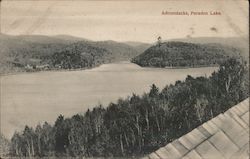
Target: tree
{"x":29,"y":142}
{"x":78,"y":136}
{"x":229,"y":81}
{"x":48,"y":140}
{"x":62,"y":128}
{"x":4,"y":146}
{"x":16,"y":145}
{"x":154,"y":91}
{"x":38,"y":132}
{"x":159,"y":41}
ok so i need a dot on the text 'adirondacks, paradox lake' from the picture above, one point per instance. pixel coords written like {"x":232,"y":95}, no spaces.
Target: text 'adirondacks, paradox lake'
{"x":33,"y":98}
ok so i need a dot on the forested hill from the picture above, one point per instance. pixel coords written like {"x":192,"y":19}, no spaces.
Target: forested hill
{"x":34,"y":53}
{"x":182,"y":54}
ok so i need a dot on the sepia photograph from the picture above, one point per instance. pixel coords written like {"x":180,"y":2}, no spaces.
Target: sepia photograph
{"x":112,"y":79}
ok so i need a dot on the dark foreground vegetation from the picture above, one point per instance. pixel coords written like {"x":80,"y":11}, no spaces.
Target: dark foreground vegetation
{"x":138,"y":125}
{"x":182,"y":54}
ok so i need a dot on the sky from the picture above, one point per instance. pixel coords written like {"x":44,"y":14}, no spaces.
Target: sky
{"x":124,"y":20}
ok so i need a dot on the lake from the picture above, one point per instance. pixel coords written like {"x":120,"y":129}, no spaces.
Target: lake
{"x":32,"y":98}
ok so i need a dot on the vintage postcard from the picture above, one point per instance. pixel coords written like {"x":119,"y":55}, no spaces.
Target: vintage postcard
{"x":124,"y":79}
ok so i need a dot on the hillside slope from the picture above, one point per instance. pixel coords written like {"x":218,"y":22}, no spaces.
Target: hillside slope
{"x":35,"y":52}
{"x":18,"y":51}
{"x":241,"y":43}
{"x":181,"y":54}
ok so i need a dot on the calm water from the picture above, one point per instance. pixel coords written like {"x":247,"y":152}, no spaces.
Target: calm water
{"x":37,"y":97}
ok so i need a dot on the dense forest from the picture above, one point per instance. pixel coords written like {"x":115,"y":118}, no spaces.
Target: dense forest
{"x":182,"y":54}
{"x":138,"y":125}
{"x":34,"y":53}
{"x":80,"y":55}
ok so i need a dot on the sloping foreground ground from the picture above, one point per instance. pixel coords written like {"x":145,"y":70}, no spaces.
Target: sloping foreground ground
{"x":223,"y":137}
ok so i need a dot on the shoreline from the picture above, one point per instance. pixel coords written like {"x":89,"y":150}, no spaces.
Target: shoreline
{"x":59,"y":70}
{"x":43,"y":71}
{"x":83,"y":69}
{"x":179,"y":67}
{"x":200,"y":66}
